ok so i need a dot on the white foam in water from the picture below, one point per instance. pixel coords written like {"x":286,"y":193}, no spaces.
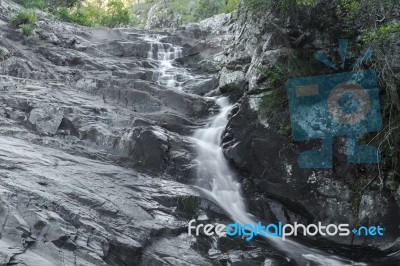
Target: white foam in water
{"x":219,"y":183}
{"x":215,"y":178}
{"x":167,"y":74}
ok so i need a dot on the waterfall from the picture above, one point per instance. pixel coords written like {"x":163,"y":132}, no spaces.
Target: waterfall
{"x":219,"y":183}
{"x":214,"y":176}
{"x":213,"y":172}
{"x":164,"y":54}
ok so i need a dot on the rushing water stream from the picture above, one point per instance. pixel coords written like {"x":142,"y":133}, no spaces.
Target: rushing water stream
{"x":165,"y":53}
{"x":214,"y":176}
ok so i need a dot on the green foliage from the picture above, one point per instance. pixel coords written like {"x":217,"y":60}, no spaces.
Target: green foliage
{"x":285,"y":129}
{"x":185,"y":11}
{"x":389,"y":31}
{"x":25,"y":20}
{"x":41,"y":4}
{"x":274,"y":104}
{"x":273,"y":100}
{"x":275,"y":75}
{"x":208,"y":8}
{"x":24,"y":16}
{"x":231,"y":5}
{"x":382,"y":40}
{"x":256,"y":4}
{"x":114,"y":14}
{"x":117,"y":14}
{"x":348,"y":9}
{"x":46,"y":4}
{"x":374,"y":24}
{"x":297,"y":64}
{"x":80,"y":16}
{"x":283,"y":6}
{"x":201,"y":9}
{"x":26,"y":29}
{"x":359,"y":15}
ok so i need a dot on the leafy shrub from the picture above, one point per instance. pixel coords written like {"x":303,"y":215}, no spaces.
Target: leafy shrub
{"x":117,"y":14}
{"x":389,"y":31}
{"x":275,"y":75}
{"x":24,"y":19}
{"x":26,"y":29}
{"x":27,"y":17}
{"x":114,"y":14}
{"x":274,"y":100}
{"x":80,"y":16}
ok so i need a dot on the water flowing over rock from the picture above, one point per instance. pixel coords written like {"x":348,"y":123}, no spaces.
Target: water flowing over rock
{"x":94,"y":135}
{"x":111,"y":140}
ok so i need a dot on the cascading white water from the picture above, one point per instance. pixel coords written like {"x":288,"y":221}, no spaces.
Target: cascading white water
{"x":167,"y":74}
{"x":213,"y":172}
{"x":219,"y":184}
{"x":215,"y":178}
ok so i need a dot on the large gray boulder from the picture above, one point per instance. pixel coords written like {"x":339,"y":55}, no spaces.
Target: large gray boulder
{"x":232,"y":81}
{"x":47,"y":119}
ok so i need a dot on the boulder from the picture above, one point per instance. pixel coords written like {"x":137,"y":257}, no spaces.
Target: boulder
{"x":150,"y":150}
{"x":46,"y":119}
{"x":232,"y":82}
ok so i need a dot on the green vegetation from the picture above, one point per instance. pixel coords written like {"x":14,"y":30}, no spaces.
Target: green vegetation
{"x":46,"y":4}
{"x":25,"y":20}
{"x":274,"y":104}
{"x":387,"y":31}
{"x":25,"y":16}
{"x":381,"y":37}
{"x":297,"y":64}
{"x":26,"y":29}
{"x":273,"y":100}
{"x":114,"y":14}
{"x":355,"y":16}
{"x":182,"y":10}
{"x":283,"y":6}
{"x":117,"y":13}
{"x":275,"y":75}
{"x":111,"y":13}
{"x":367,"y":24}
{"x":256,"y":4}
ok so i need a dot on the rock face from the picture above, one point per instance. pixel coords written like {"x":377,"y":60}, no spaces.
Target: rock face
{"x":95,"y":158}
{"x":231,"y":82}
{"x":258,"y":142}
{"x":92,"y":149}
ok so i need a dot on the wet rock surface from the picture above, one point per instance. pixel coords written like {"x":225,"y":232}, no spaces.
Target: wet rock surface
{"x":92,"y":149}
{"x":258,"y":141}
{"x":95,"y":159}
